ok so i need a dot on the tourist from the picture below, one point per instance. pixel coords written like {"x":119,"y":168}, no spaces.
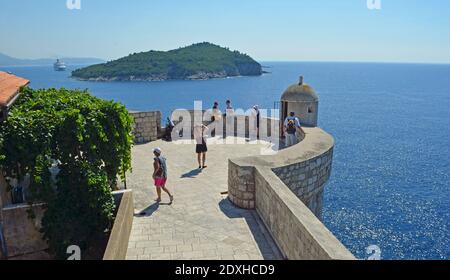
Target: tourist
{"x":257,"y":116}
{"x":200,"y":134}
{"x":216,"y":116}
{"x":160,"y":174}
{"x":169,"y":129}
{"x":229,"y":108}
{"x":291,"y":127}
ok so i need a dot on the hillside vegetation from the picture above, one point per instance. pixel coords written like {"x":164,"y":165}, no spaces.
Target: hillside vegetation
{"x":198,"y":61}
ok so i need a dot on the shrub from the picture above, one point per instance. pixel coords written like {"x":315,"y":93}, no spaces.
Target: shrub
{"x":88,"y":140}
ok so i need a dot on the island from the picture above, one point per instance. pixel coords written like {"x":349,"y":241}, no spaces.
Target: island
{"x":200,"y":61}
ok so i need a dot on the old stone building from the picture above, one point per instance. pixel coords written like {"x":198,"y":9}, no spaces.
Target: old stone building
{"x":303,"y":100}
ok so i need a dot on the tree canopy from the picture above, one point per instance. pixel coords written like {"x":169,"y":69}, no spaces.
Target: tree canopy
{"x":181,"y":63}
{"x":88,"y":140}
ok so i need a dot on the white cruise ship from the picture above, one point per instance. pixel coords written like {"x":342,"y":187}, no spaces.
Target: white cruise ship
{"x":59,"y":65}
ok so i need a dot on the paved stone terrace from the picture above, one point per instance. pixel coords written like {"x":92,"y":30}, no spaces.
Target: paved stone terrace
{"x":201,"y":223}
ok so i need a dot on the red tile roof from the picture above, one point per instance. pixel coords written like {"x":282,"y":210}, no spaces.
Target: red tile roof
{"x":9,"y":87}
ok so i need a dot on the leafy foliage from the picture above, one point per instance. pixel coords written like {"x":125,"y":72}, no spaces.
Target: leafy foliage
{"x":88,"y":140}
{"x":176,"y":64}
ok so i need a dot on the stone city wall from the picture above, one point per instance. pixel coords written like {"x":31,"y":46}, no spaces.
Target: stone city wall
{"x":307,"y":179}
{"x":238,"y":126}
{"x":286,"y":189}
{"x":299,"y":234}
{"x":241,"y":185}
{"x":120,"y":234}
{"x":147,"y":126}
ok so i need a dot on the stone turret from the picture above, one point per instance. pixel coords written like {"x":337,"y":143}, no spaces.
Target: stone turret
{"x":301,"y":99}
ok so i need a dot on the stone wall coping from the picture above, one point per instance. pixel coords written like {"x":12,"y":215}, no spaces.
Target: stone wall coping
{"x":315,"y":143}
{"x":118,"y":241}
{"x":312,"y":225}
{"x":22,"y":206}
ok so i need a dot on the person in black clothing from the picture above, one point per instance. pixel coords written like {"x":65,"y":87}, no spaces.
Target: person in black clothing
{"x":257,"y":115}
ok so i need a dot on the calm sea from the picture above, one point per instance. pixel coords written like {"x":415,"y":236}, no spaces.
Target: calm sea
{"x":391,"y":179}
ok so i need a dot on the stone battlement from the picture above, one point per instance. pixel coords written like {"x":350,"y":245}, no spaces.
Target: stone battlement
{"x":147,"y":126}
{"x":286,"y":189}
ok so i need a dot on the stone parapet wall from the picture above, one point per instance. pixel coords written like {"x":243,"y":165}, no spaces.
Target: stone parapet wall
{"x":120,"y":234}
{"x":307,"y":179}
{"x":147,"y":126}
{"x":242,"y":180}
{"x":296,"y":230}
{"x":286,"y":189}
{"x":237,"y":126}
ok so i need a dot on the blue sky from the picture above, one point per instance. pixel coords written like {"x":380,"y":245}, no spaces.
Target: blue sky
{"x":268,"y":30}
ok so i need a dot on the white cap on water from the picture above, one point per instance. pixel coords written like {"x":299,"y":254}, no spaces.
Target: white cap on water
{"x":157,"y":150}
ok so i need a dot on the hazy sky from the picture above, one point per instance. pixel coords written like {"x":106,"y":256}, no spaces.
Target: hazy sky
{"x":287,"y":30}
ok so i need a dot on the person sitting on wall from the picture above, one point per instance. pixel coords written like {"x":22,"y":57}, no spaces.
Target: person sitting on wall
{"x":291,"y":127}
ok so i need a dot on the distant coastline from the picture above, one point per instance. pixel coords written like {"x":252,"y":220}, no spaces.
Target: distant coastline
{"x":8,"y":61}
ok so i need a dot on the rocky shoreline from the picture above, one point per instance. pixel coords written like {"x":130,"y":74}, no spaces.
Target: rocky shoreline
{"x":201,"y":76}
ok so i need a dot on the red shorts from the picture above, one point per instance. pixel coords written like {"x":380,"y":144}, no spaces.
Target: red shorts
{"x":160,"y":182}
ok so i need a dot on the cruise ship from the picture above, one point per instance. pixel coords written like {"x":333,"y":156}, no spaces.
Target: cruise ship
{"x":59,"y":65}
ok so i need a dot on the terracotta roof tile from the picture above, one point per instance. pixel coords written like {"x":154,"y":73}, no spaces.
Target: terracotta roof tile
{"x":9,"y":87}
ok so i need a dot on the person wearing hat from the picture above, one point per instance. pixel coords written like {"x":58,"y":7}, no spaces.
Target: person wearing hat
{"x":291,"y":126}
{"x":160,"y":174}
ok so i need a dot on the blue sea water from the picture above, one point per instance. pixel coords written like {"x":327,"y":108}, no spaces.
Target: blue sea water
{"x":391,"y":176}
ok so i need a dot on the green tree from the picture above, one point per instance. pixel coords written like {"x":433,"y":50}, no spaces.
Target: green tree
{"x":88,"y":140}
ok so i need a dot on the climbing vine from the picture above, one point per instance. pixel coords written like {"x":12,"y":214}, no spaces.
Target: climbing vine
{"x":74,"y":147}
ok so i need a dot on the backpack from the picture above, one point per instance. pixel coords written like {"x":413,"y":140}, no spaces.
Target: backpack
{"x":162,"y":172}
{"x":291,"y":127}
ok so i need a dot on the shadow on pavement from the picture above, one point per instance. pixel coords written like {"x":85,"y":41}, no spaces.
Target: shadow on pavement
{"x":265,"y":243}
{"x":192,"y":174}
{"x":147,"y":212}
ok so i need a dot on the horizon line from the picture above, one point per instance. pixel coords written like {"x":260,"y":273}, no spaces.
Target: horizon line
{"x":258,"y":60}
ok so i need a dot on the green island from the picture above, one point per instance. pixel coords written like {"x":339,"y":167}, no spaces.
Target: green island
{"x":200,"y":61}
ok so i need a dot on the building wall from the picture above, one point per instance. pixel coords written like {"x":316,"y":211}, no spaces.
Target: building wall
{"x":147,"y":126}
{"x":301,"y":110}
{"x":22,"y":235}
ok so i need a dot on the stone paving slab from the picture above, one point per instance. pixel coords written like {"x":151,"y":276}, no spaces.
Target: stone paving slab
{"x":201,"y":223}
